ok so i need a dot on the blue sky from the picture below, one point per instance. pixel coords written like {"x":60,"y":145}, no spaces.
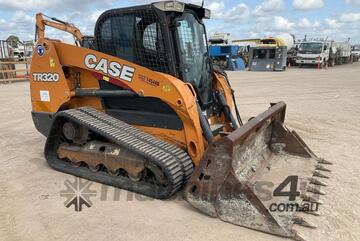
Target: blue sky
{"x":336,"y":20}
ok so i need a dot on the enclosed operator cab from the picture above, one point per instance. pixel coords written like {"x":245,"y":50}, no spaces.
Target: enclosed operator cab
{"x":167,"y":37}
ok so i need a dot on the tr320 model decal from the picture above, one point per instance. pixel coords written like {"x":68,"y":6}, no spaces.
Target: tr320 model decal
{"x":46,"y":77}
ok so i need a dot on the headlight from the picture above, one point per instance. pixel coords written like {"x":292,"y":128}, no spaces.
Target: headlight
{"x":170,"y":6}
{"x":207,"y":13}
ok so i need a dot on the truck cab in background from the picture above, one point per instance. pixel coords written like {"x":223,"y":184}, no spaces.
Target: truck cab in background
{"x":324,"y":53}
{"x":314,"y":53}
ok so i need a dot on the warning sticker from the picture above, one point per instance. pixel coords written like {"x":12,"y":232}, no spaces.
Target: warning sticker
{"x":44,"y":95}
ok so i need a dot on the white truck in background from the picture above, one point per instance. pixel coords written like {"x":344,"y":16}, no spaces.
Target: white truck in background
{"x":19,"y":52}
{"x":341,"y":53}
{"x":313,"y":52}
{"x":355,"y":51}
{"x":323,"y":53}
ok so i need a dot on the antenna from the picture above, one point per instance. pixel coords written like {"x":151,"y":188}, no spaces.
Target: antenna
{"x":202,"y":3}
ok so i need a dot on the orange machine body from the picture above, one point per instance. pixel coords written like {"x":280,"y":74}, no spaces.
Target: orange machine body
{"x":58,"y":69}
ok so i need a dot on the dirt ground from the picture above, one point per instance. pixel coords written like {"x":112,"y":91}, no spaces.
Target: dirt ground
{"x":323,"y":107}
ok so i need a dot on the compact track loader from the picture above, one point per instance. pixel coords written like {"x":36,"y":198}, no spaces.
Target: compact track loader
{"x":139,"y":106}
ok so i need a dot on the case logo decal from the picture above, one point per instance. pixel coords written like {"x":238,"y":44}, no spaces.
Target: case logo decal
{"x":114,"y":69}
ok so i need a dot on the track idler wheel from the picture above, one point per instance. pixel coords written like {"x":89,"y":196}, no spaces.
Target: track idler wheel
{"x":75,"y":133}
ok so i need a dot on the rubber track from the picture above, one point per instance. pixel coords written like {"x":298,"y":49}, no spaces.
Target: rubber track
{"x":182,"y":157}
{"x":174,"y":162}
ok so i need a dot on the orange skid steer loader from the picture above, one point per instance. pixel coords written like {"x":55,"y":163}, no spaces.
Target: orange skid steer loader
{"x":140,"y":106}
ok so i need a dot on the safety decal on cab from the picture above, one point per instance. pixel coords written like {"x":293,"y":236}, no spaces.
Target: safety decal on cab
{"x":166,"y":88}
{"x":40,"y":50}
{"x":44,"y":96}
{"x":52,"y":63}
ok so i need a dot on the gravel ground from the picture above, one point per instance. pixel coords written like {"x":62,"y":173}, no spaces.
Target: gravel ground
{"x":323,"y":107}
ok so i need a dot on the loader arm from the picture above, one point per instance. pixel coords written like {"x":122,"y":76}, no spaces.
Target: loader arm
{"x":57,"y":24}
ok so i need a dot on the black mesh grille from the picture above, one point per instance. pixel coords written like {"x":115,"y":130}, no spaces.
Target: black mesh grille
{"x":135,"y":36}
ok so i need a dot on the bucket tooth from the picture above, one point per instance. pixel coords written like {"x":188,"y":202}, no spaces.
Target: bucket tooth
{"x":323,"y":161}
{"x":315,"y":190}
{"x":308,"y":207}
{"x":319,"y":174}
{"x":315,"y":213}
{"x":311,"y":199}
{"x":322,"y":168}
{"x":303,"y":222}
{"x":298,"y":236}
{"x":316,"y":181}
